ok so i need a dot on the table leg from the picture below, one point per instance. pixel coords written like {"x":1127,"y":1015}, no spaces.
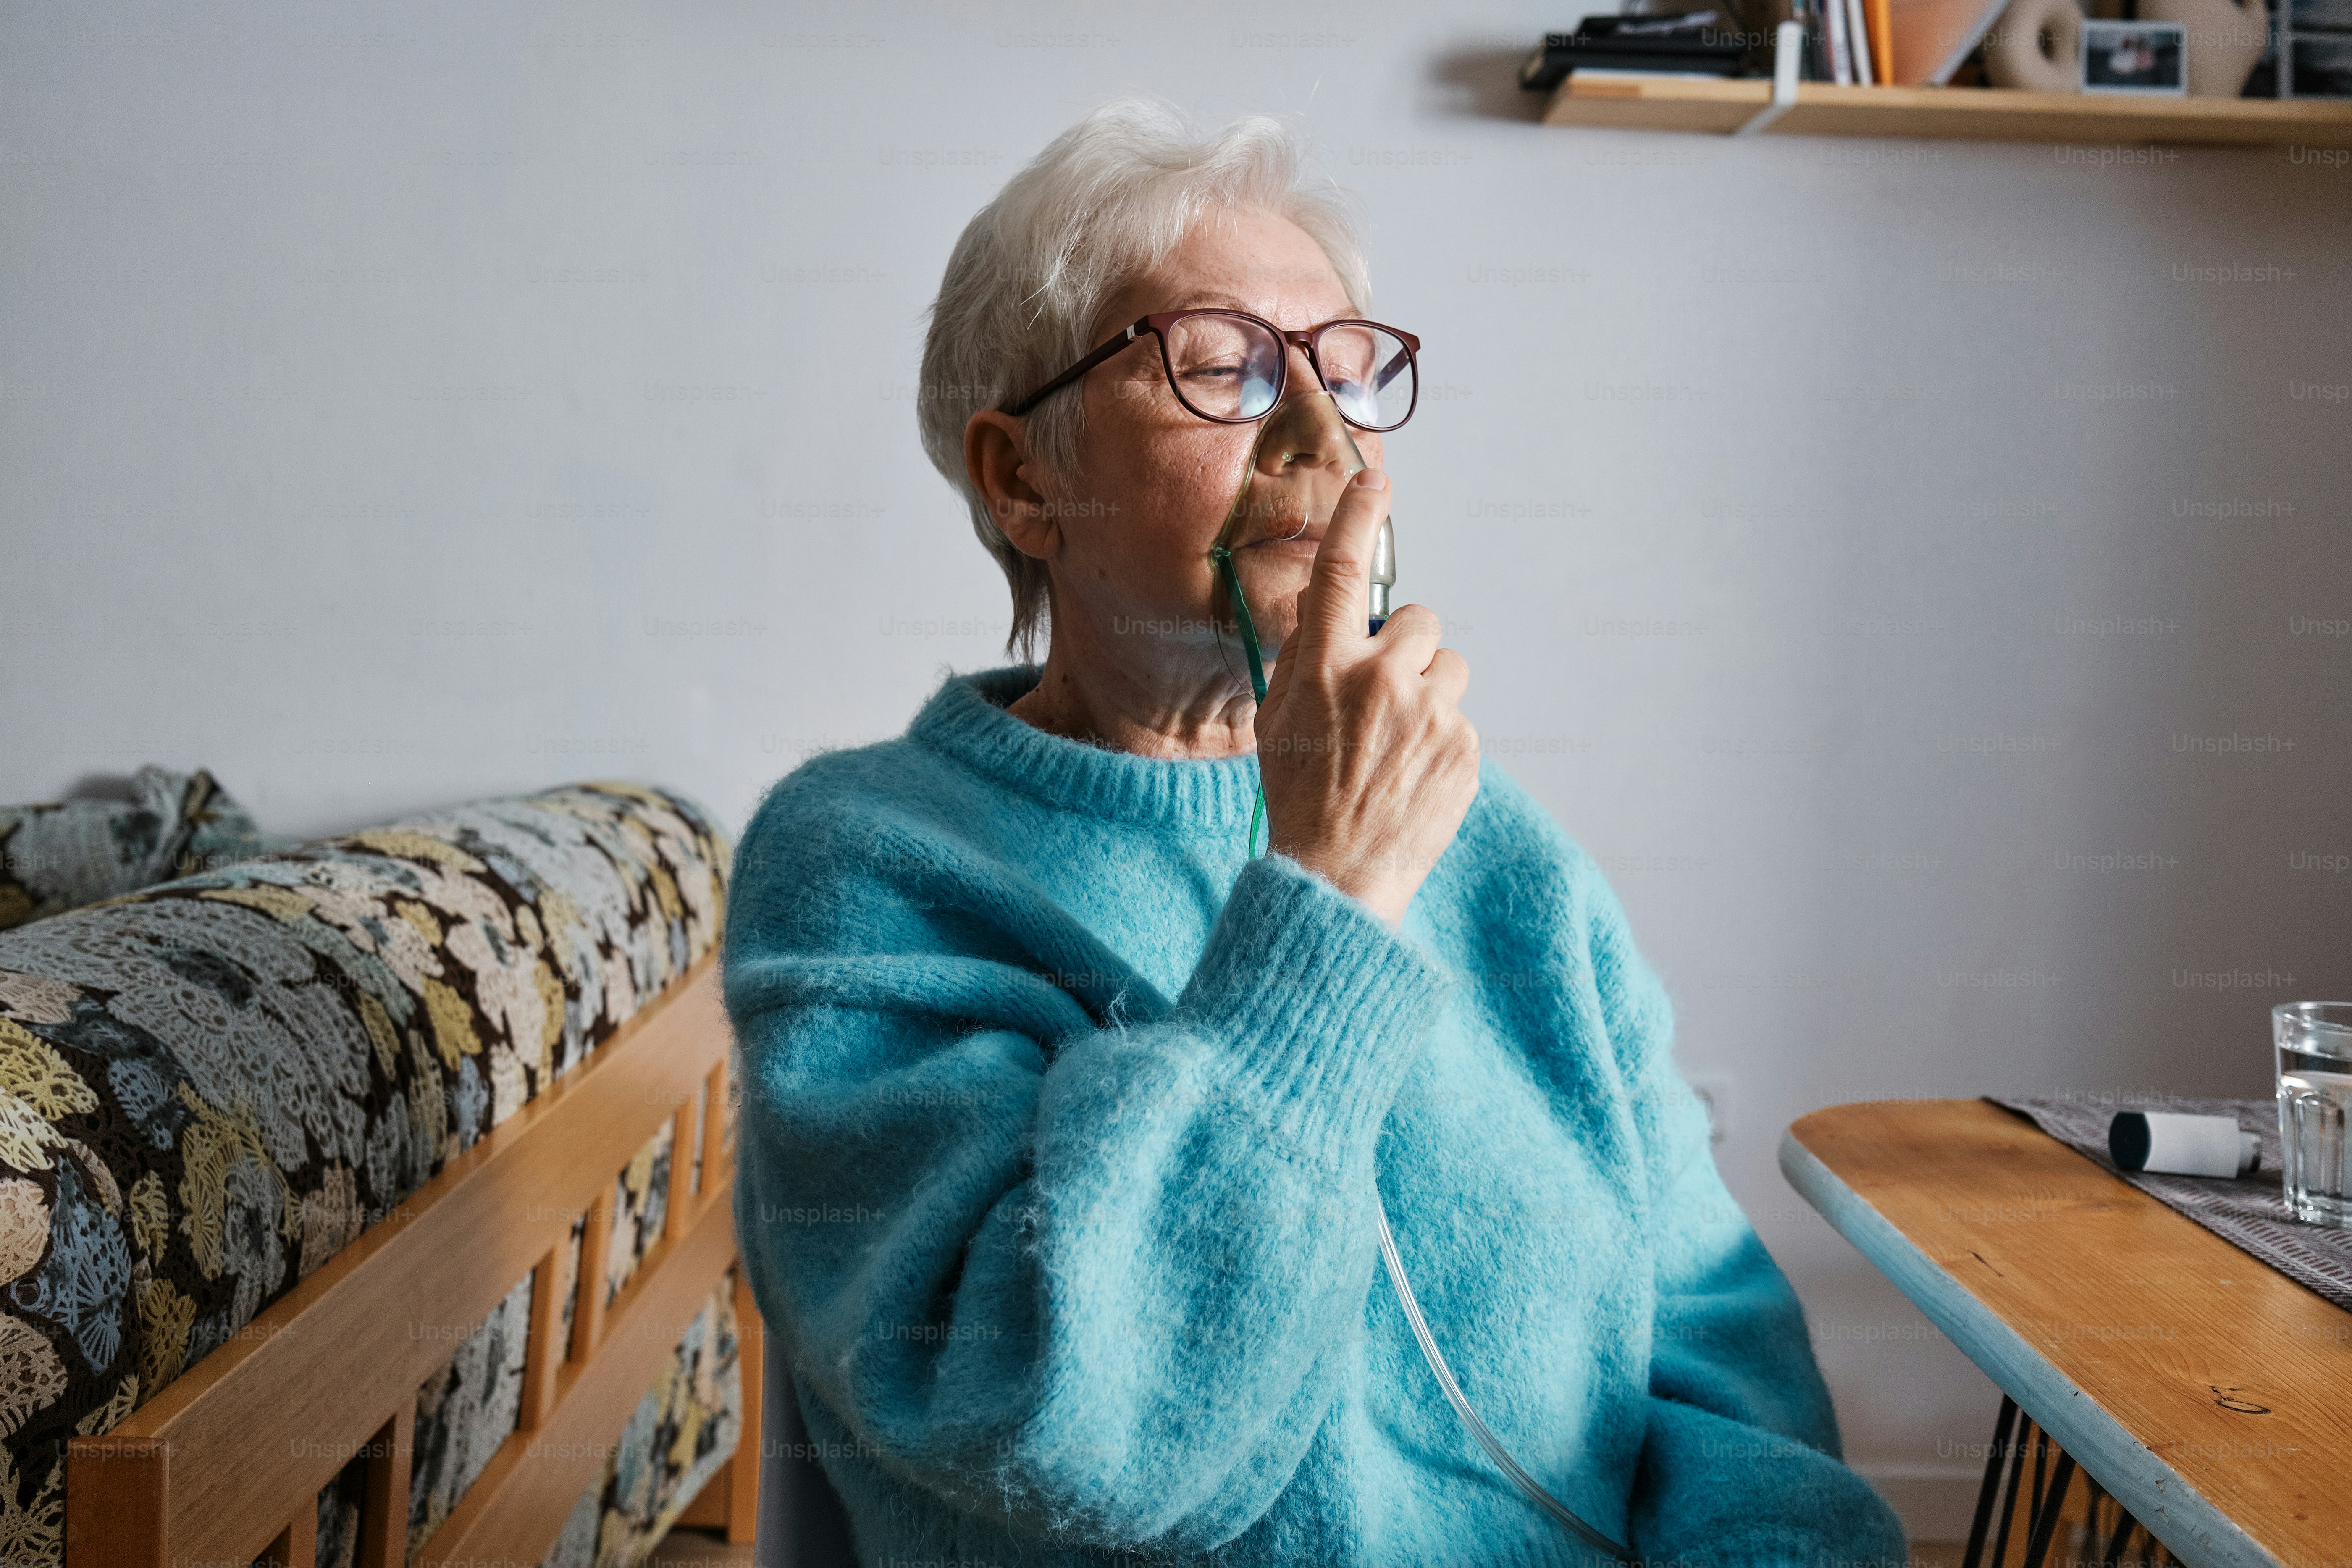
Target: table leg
{"x":2017,"y":1443}
{"x":2037,"y":1546}
{"x":1994,"y":1463}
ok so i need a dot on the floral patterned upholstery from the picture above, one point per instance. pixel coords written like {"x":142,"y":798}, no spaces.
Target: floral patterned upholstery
{"x":60,"y":855}
{"x":210,"y":1086}
{"x":683,"y":1430}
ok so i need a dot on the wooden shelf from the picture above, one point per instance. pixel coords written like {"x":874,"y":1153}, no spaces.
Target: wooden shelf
{"x":1636,"y":100}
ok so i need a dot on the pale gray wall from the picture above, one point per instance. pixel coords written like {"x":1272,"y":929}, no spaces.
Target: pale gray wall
{"x":342,"y":452}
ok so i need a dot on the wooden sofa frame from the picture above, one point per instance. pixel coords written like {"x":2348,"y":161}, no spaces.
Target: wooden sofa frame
{"x":225,"y":1466}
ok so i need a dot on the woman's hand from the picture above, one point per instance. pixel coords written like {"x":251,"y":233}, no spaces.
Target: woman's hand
{"x":1367,"y":764}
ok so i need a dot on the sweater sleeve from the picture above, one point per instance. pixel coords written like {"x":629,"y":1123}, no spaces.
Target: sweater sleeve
{"x":1090,"y":1279}
{"x":1740,"y":1458}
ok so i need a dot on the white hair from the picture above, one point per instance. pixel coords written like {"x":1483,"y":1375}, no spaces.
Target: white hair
{"x":1108,"y":199}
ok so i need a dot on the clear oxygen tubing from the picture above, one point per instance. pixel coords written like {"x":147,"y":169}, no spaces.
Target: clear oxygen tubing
{"x":1567,"y":1517}
{"x":1302,"y":420}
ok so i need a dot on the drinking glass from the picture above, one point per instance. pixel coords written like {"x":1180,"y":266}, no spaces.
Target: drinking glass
{"x":2315,"y":1092}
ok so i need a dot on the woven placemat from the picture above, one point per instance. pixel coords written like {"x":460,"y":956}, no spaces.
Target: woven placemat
{"x":2247,"y":1211}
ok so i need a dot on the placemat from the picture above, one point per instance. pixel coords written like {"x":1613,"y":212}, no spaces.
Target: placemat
{"x":2247,"y":1211}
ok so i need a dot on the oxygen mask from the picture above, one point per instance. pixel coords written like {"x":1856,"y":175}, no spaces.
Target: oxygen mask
{"x":1298,"y":468}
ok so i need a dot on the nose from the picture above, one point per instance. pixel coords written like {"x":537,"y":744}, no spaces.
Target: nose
{"x":1305,"y":430}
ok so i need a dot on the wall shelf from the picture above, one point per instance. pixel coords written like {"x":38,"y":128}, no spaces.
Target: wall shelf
{"x":1637,"y":101}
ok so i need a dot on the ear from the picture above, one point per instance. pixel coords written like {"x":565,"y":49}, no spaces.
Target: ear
{"x":996,"y":456}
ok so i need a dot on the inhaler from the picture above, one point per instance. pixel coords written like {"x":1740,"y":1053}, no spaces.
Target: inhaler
{"x":1298,"y":467}
{"x":1302,"y":461}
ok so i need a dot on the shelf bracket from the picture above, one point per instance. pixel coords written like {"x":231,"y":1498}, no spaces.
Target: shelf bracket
{"x":1788,"y":50}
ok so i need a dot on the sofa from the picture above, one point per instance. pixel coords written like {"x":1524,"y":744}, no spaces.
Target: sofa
{"x":281,"y":1137}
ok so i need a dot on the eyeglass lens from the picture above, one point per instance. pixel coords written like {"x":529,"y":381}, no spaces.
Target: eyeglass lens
{"x":1230,"y":367}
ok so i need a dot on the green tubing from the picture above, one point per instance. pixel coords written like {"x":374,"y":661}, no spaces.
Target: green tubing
{"x":1223,"y":557}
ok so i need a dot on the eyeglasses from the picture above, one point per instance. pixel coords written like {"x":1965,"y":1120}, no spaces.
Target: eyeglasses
{"x":1230,"y":366}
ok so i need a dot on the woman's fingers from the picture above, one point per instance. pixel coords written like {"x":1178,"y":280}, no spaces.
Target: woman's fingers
{"x":1336,"y":602}
{"x":1449,"y":675}
{"x":1410,"y":636}
{"x":1367,"y":764}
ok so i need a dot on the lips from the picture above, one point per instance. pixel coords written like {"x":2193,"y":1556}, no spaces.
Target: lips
{"x":1309,"y":537}
{"x":1285,"y":519}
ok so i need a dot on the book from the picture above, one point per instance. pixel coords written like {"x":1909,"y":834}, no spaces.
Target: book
{"x":1880,"y":16}
{"x":1933,"y":36}
{"x":1817,"y":66}
{"x":1857,"y":36}
{"x":2316,"y":39}
{"x":1859,"y":43}
{"x":1809,"y":59}
{"x":1840,"y":50}
{"x":1695,"y":42}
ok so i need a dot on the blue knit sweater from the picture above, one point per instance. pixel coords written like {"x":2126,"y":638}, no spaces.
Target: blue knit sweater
{"x":1062,"y":1122}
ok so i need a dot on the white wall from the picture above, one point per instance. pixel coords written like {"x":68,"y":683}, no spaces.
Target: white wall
{"x":351,"y":447}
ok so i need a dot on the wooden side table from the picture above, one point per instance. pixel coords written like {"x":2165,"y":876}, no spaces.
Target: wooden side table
{"x":2209,"y":1394}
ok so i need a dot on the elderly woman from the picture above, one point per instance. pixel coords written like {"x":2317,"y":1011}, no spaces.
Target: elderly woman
{"x":1068,"y":1121}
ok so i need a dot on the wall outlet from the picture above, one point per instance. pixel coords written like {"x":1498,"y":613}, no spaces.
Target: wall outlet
{"x":1714,"y":1091}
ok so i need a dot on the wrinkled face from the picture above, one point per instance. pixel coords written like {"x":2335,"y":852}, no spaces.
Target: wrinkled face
{"x":1154,"y":482}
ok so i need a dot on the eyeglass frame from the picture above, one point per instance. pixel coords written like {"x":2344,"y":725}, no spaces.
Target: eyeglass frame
{"x":1158,"y":323}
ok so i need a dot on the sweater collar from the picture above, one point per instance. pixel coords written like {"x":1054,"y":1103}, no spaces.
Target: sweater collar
{"x":966,"y":719}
